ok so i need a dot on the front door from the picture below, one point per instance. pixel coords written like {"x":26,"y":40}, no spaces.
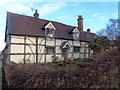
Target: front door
{"x":64,"y":53}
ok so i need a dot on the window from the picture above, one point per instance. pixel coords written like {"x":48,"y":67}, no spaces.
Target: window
{"x":76,"y":35}
{"x":76,"y":49}
{"x":87,"y":35}
{"x":50,"y":50}
{"x":50,"y":32}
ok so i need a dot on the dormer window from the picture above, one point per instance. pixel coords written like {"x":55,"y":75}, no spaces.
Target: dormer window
{"x":87,"y":35}
{"x":50,"y":30}
{"x":76,"y":34}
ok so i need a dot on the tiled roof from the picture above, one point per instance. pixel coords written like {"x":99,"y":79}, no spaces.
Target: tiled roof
{"x":27,"y":25}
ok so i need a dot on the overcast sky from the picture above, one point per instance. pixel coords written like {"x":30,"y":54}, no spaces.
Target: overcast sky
{"x":95,"y":14}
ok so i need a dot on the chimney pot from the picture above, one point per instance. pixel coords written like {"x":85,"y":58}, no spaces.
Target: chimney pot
{"x":80,"y":17}
{"x":88,"y":30}
{"x":36,"y":14}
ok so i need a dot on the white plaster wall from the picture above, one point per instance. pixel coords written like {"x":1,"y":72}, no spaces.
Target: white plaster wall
{"x":76,"y":55}
{"x":59,"y":57}
{"x":31,"y":40}
{"x":17,"y":48}
{"x":63,"y":41}
{"x":76,"y":43}
{"x":70,"y":56}
{"x":17,"y":58}
{"x":87,"y":44}
{"x":70,"y":42}
{"x":70,"y":50}
{"x":83,"y":43}
{"x":81,"y":55}
{"x":86,"y":55}
{"x":41,"y":49}
{"x":58,"y":50}
{"x":41,"y":41}
{"x":32,"y":58}
{"x":20,"y":58}
{"x":87,"y":50}
{"x":17,"y":39}
{"x":82,"y":49}
{"x":41,"y":58}
{"x":50,"y":42}
{"x":48,"y":58}
{"x":20,"y":48}
{"x":30,"y":49}
{"x":58,"y":42}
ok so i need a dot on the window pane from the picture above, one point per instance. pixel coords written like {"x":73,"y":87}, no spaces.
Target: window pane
{"x":50,"y":32}
{"x":50,"y":50}
{"x":47,"y":31}
{"x":76,"y":49}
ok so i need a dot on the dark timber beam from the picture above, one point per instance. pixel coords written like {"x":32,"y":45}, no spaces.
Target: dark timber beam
{"x":36,"y":49}
{"x":45,"y":50}
{"x":24,"y":50}
{"x":55,"y":46}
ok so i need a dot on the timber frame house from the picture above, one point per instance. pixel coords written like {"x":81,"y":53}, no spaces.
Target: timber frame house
{"x":33,"y":40}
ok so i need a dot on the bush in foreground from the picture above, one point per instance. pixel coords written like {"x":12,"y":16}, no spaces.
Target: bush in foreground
{"x":102,"y":73}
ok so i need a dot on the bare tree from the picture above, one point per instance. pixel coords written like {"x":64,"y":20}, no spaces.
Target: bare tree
{"x":112,"y":30}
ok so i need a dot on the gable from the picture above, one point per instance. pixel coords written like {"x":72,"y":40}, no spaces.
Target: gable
{"x":76,"y":30}
{"x":50,"y":25}
{"x":76,"y":34}
{"x":65,"y":45}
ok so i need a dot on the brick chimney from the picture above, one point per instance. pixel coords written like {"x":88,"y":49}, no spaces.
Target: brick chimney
{"x":36,"y":14}
{"x":80,"y":23}
{"x":88,"y":30}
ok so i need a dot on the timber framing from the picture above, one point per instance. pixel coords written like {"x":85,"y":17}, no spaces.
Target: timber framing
{"x":43,"y":54}
{"x":24,"y":50}
{"x":28,"y":41}
{"x":44,"y":44}
{"x":36,"y":49}
{"x":44,"y":37}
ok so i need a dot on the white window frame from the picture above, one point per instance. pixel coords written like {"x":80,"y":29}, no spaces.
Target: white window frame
{"x":51,"y":31}
{"x":50,"y":24}
{"x":50,"y":50}
{"x":76,"y":34}
{"x":76,"y":49}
